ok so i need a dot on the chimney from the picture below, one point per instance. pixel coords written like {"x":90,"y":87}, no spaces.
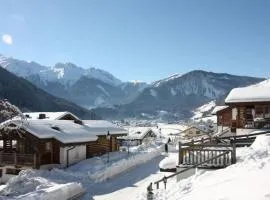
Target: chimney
{"x":42,"y":116}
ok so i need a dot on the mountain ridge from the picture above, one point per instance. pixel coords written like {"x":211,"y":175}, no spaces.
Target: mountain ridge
{"x":175,"y":98}
{"x":61,"y":79}
{"x":172,"y":97}
{"x":28,"y":97}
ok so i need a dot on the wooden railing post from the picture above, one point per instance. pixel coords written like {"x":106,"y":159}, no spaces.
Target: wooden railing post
{"x":35,"y":160}
{"x":180,"y":160}
{"x":234,"y":153}
{"x":15,"y":158}
{"x":150,"y":194}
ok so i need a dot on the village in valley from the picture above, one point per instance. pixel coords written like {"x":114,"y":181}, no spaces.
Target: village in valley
{"x":49,"y":155}
{"x":136,"y":100}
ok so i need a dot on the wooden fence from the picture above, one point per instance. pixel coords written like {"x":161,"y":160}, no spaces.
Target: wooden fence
{"x":215,"y":152}
{"x":192,"y":154}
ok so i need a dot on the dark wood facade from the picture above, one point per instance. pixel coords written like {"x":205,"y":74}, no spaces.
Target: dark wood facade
{"x":20,"y":143}
{"x":102,"y":145}
{"x":224,"y":117}
{"x":250,"y":115}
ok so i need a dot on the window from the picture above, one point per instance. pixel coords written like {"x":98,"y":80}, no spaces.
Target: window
{"x":48,"y":146}
{"x":197,"y":132}
{"x":12,"y":171}
{"x":249,"y":115}
{"x":234,"y":113}
{"x":259,"y":112}
{"x":267,"y":112}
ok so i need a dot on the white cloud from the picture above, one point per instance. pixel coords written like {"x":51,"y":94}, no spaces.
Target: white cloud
{"x":7,"y":39}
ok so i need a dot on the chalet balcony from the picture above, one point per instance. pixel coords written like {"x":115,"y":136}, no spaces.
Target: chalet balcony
{"x":258,"y":123}
{"x":17,"y":159}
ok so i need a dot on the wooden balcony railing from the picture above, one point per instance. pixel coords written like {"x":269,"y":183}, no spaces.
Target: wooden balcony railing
{"x":258,"y":123}
{"x":17,"y":159}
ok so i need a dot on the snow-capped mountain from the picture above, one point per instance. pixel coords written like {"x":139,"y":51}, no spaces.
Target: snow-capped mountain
{"x":90,"y":87}
{"x":61,"y":72}
{"x":179,"y":95}
{"x":174,"y":97}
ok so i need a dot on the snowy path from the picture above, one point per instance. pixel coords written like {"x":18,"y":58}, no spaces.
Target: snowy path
{"x":129,"y":184}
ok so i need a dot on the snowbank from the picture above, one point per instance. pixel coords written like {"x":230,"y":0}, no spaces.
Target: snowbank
{"x":63,"y":184}
{"x":169,"y":162}
{"x":248,"y":179}
{"x":31,"y":187}
{"x":108,"y":171}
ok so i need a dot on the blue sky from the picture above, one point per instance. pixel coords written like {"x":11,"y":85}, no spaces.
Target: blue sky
{"x":141,"y":39}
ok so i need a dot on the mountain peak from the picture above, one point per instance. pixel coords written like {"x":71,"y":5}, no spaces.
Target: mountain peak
{"x":102,"y":75}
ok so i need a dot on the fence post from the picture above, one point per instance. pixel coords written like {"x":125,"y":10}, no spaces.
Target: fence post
{"x":150,"y":193}
{"x":165,"y":182}
{"x":180,"y":160}
{"x":234,"y":153}
{"x":15,"y":158}
{"x":35,"y":160}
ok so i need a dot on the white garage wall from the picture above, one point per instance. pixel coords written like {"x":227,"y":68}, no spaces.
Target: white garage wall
{"x":75,"y":155}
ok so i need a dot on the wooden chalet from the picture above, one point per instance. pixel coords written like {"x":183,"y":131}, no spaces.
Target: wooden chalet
{"x":53,"y":143}
{"x":250,"y":107}
{"x":137,"y":136}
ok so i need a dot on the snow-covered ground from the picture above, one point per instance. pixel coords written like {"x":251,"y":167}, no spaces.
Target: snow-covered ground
{"x":128,"y":177}
{"x":198,"y":112}
{"x":247,"y":180}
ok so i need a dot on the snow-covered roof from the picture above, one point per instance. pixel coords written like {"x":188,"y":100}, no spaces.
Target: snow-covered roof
{"x":218,"y":108}
{"x":137,"y":133}
{"x":101,"y":127}
{"x":64,"y":131}
{"x":255,"y":93}
{"x":48,"y":115}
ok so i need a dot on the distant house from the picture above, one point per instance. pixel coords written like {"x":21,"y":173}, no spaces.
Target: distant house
{"x":250,"y":106}
{"x":137,"y":136}
{"x":193,"y":132}
{"x":44,"y":143}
